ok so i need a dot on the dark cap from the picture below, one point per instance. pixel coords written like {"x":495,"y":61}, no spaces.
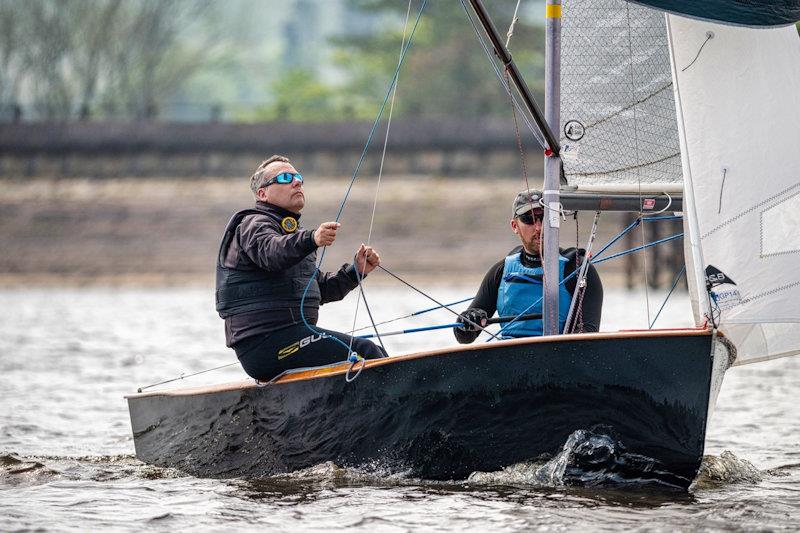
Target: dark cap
{"x":525,"y":201}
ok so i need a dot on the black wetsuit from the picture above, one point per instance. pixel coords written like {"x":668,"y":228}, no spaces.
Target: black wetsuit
{"x":587,"y":317}
{"x":262,"y":272}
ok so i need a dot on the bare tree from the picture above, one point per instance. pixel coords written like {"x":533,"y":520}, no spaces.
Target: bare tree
{"x":101,"y":57}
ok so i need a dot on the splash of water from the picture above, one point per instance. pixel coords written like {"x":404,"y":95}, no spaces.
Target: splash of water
{"x":589,"y":458}
{"x":726,"y":470}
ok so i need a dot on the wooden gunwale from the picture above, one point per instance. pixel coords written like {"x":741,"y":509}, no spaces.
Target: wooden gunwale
{"x":341,"y":368}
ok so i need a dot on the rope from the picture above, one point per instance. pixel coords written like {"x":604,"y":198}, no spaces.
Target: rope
{"x":674,"y":284}
{"x":709,"y":36}
{"x":598,"y":261}
{"x":358,"y":167}
{"x":578,"y":320}
{"x":410,"y":315}
{"x":377,"y":189}
{"x":580,"y":285}
{"x":638,"y":171}
{"x":514,"y":20}
{"x":434,"y":300}
{"x":519,"y":138}
{"x":183,"y":376}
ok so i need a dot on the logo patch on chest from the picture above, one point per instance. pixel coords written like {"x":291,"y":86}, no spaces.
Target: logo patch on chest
{"x":289,"y":224}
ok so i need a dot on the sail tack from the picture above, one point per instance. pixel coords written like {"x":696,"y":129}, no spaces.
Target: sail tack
{"x":738,"y":96}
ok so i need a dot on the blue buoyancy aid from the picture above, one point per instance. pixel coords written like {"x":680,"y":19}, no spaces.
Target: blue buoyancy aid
{"x":522,"y":286}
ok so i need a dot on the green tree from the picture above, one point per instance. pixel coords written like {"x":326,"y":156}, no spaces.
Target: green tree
{"x":445,"y":72}
{"x":299,"y":96}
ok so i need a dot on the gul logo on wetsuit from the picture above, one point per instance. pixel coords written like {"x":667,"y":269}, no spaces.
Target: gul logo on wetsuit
{"x":293,"y":348}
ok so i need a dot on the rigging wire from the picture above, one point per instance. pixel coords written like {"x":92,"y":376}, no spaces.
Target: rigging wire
{"x":355,"y":172}
{"x":674,"y":284}
{"x":377,"y":190}
{"x":598,"y":261}
{"x":434,"y":300}
{"x":638,"y":156}
{"x":576,"y":306}
{"x":184,"y":376}
{"x":411,"y":315}
{"x":534,"y":131}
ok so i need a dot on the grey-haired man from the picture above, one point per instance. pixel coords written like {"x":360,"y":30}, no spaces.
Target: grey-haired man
{"x":266,"y":267}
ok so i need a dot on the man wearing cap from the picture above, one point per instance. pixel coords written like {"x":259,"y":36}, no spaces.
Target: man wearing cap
{"x":516,"y":282}
{"x":266,"y":268}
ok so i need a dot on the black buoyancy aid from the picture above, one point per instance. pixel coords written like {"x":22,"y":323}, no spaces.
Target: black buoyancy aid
{"x":248,"y":289}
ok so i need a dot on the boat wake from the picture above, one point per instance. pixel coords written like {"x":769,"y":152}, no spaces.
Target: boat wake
{"x":16,"y":471}
{"x":589,"y":458}
{"x":727,"y":469}
{"x":23,"y":471}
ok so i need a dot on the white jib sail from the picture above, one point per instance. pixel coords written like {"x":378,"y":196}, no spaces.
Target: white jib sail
{"x":738,"y":104}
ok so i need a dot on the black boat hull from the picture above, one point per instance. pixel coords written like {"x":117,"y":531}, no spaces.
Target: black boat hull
{"x":445,"y":414}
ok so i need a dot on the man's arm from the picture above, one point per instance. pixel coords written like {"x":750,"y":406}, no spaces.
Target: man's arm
{"x":271,"y":250}
{"x":485,"y":299}
{"x":335,"y":285}
{"x":592,"y":301}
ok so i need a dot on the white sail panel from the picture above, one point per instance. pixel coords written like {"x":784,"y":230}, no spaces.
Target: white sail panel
{"x":738,"y":101}
{"x":617,"y":110}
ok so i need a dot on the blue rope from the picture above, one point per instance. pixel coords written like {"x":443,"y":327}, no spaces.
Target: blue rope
{"x":674,"y":284}
{"x":619,"y":236}
{"x":414,"y":330}
{"x":639,"y":248}
{"x":665,"y":217}
{"x":355,"y":174}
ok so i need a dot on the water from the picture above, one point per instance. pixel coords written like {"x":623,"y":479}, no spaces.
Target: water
{"x":67,"y":357}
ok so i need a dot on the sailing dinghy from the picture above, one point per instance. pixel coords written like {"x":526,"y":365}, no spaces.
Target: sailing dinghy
{"x":703,"y":116}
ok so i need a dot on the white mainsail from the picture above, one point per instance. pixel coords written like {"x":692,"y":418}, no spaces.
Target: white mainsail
{"x":738,"y":103}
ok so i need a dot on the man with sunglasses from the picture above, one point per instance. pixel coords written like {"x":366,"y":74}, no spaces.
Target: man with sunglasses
{"x":515,"y":285}
{"x":266,"y":267}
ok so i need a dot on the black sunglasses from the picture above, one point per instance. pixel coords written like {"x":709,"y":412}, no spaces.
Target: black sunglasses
{"x":530,"y":217}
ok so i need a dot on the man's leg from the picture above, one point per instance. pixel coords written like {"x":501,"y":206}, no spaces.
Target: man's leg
{"x":299,"y":347}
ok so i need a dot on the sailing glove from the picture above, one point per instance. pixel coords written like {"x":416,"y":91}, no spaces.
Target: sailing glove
{"x":472,"y":318}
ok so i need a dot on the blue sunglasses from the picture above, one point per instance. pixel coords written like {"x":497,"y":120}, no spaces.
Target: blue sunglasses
{"x":284,"y":178}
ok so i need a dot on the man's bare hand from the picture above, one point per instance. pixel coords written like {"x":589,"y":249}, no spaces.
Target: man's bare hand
{"x":367,"y":259}
{"x":325,"y":234}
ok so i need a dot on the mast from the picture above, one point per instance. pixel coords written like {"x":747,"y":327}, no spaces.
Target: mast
{"x":552,"y":166}
{"x":516,"y":78}
{"x":546,"y":125}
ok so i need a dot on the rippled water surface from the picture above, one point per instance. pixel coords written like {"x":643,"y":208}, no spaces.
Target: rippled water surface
{"x":67,"y":357}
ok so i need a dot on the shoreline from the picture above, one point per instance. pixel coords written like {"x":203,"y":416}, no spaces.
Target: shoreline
{"x":155,"y":232}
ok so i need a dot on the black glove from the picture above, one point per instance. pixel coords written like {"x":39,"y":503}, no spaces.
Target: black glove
{"x":472,"y":318}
